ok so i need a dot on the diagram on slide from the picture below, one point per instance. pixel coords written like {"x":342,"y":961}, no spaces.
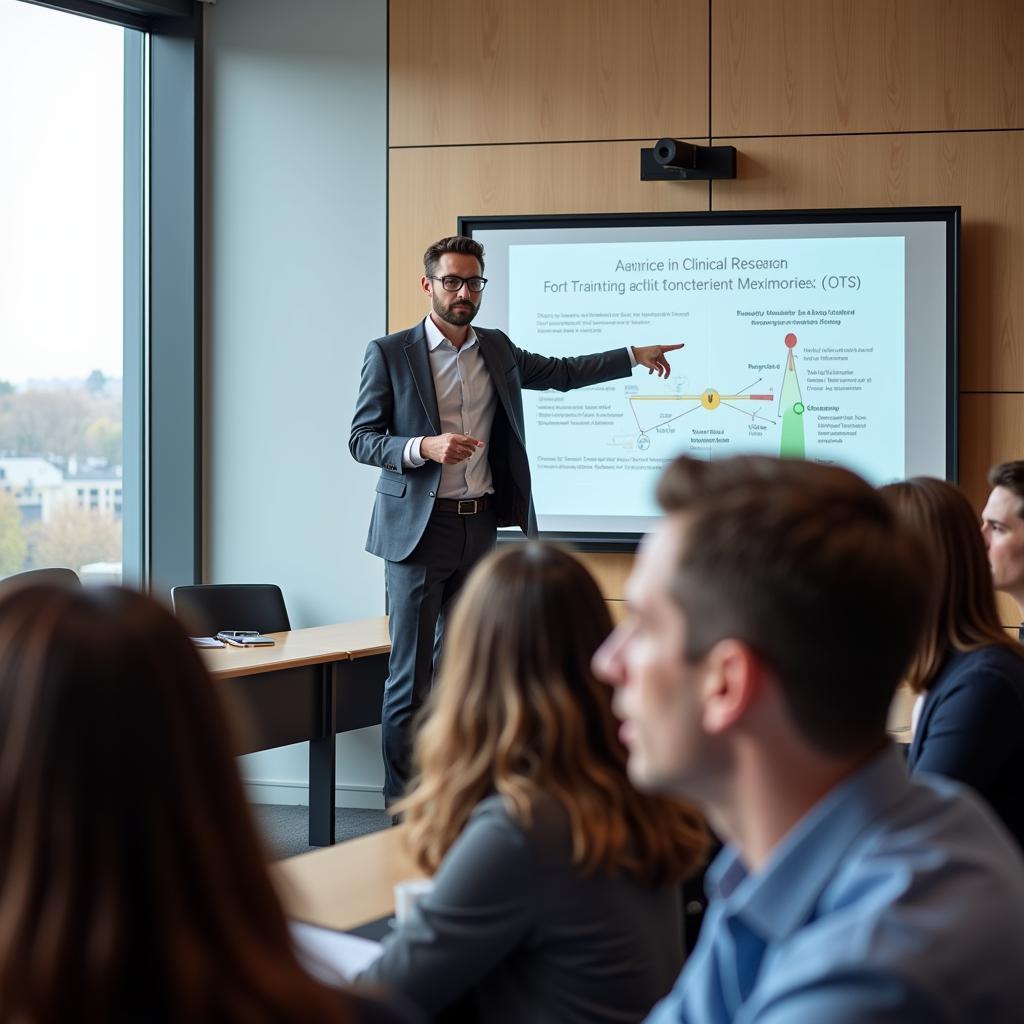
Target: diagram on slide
{"x":790,"y":408}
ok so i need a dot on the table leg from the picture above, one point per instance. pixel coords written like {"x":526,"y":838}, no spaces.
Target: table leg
{"x":322,"y":766}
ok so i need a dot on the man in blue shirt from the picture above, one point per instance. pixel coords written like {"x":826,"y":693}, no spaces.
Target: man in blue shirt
{"x":773,"y":613}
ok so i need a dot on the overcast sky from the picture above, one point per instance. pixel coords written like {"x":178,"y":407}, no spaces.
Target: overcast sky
{"x":61,"y":123}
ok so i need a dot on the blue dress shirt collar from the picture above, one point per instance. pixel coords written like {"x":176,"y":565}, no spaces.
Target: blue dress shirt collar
{"x":780,"y":898}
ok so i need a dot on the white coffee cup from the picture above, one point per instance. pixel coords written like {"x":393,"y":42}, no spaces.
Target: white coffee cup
{"x":408,"y":893}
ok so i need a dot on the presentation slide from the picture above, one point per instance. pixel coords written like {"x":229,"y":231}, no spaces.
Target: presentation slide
{"x":795,"y":344}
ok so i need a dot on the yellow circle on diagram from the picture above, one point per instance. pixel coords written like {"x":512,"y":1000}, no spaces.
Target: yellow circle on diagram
{"x":710,"y":399}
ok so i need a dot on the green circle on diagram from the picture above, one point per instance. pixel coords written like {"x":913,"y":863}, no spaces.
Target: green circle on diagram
{"x":798,"y":408}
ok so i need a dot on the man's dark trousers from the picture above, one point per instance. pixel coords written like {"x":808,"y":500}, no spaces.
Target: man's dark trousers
{"x":420,"y":592}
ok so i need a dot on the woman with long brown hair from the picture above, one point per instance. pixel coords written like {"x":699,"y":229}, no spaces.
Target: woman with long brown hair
{"x":969,"y":720}
{"x":132,"y":883}
{"x":556,"y":891}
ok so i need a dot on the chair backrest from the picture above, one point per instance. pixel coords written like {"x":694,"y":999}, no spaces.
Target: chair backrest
{"x":206,"y":609}
{"x":54,"y":577}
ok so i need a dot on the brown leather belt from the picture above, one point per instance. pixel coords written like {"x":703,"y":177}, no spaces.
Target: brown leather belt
{"x":463,"y":506}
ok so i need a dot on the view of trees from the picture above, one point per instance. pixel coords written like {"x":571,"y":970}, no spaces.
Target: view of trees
{"x":61,"y":422}
{"x":13,"y":546}
{"x":75,"y":537}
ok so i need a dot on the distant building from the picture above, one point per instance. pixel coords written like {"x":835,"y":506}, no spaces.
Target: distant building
{"x":35,"y":484}
{"x":39,"y":487}
{"x":99,"y":490}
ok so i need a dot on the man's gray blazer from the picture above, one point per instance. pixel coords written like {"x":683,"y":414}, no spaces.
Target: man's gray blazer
{"x":397,"y":401}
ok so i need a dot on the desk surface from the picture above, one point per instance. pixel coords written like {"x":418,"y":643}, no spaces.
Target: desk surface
{"x":344,"y":886}
{"x":315,"y":645}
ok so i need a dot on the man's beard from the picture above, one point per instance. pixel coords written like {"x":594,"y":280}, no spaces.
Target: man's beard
{"x":458,"y":317}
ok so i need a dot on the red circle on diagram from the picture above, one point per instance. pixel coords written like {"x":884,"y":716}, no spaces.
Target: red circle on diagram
{"x":790,"y":341}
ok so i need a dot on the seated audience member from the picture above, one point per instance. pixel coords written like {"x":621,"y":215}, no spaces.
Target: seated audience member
{"x":556,"y":892}
{"x":132,"y":884}
{"x":774,"y":612}
{"x":969,"y":722}
{"x":1002,"y":526}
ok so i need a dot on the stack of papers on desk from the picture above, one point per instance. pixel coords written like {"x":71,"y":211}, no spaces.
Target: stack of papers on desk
{"x":332,"y":956}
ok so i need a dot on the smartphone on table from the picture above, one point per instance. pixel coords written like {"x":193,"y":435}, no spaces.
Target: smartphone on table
{"x":245,"y":638}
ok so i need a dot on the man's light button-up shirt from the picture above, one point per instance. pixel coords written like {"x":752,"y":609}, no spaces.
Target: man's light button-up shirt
{"x":893,"y":900}
{"x":465,"y":405}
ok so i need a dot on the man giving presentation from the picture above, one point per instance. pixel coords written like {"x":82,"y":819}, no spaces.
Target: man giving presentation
{"x":440,"y":414}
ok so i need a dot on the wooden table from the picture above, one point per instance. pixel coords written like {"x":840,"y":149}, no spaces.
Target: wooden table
{"x":347,"y":885}
{"x":311,"y":685}
{"x":316,"y":682}
{"x":351,"y":884}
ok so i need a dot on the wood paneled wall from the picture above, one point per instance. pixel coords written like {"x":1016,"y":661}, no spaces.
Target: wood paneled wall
{"x":541,"y":106}
{"x":430,"y":187}
{"x":815,"y":67}
{"x":479,"y":72}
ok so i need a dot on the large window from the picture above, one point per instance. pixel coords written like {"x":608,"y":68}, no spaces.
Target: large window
{"x":65,"y":85}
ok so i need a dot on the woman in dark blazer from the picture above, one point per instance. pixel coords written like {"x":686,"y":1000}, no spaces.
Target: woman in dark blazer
{"x":556,"y":894}
{"x":968,"y":671}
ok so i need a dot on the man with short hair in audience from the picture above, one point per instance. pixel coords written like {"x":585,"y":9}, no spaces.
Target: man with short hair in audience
{"x":1002,"y":526}
{"x":773,"y":612}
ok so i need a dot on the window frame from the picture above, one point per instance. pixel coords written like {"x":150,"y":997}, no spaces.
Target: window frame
{"x":162,"y":394}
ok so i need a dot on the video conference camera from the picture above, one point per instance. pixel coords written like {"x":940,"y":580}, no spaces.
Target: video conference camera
{"x":675,"y":160}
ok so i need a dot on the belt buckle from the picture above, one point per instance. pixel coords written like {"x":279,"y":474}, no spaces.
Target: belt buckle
{"x":467,"y":501}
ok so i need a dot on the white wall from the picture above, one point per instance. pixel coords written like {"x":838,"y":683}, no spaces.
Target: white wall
{"x":295,"y":210}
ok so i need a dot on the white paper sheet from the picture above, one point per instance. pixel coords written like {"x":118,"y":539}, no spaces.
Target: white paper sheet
{"x":333,"y":957}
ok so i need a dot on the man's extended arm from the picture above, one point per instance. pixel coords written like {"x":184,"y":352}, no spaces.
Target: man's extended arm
{"x":566,"y":373}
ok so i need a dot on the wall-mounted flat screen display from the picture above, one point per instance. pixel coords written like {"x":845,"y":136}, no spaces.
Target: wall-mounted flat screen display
{"x":829,"y":335}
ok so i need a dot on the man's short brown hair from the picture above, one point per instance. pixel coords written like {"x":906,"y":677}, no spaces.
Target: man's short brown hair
{"x":1010,"y":475}
{"x":455,"y":243}
{"x":808,"y":566}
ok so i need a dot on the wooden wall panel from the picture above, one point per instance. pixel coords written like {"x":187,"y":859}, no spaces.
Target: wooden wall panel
{"x":1009,"y":613}
{"x":610,"y":571}
{"x":783,"y":67}
{"x":430,"y":188}
{"x":485,"y":71}
{"x":991,"y":431}
{"x":981,"y":171}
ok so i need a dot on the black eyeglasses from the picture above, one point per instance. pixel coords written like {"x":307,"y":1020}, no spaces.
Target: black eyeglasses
{"x":451,"y":283}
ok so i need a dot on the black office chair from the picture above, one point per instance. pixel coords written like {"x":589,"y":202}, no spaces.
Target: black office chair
{"x":205,"y":609}
{"x":53,"y":577}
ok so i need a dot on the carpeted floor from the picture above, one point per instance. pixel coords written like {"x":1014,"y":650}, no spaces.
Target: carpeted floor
{"x":285,"y":828}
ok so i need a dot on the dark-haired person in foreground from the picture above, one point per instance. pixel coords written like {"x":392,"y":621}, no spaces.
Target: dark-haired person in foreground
{"x":440,"y":414}
{"x":132,"y":883}
{"x":774,"y":612}
{"x":968,"y":673}
{"x":556,"y":894}
{"x":1002,"y":526}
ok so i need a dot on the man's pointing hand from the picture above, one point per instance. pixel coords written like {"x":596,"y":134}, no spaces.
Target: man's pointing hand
{"x":653,"y":357}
